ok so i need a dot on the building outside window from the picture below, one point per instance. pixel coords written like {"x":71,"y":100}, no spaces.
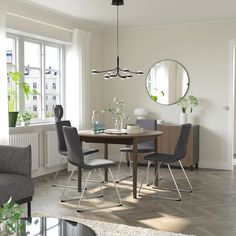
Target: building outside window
{"x":35,"y":108}
{"x":40,"y":62}
{"x":35,"y":85}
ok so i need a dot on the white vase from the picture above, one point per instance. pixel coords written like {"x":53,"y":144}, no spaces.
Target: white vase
{"x":183,"y":118}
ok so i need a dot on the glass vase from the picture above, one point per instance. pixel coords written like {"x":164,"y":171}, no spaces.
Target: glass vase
{"x":118,"y":125}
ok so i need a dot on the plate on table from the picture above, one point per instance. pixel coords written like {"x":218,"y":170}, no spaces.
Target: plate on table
{"x":115,"y":131}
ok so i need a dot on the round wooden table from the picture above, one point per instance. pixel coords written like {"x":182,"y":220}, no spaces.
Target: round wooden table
{"x":127,"y":139}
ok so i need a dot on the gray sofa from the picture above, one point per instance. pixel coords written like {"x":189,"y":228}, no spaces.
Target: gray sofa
{"x":15,"y":175}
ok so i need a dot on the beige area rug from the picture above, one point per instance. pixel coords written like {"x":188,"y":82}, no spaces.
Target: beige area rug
{"x":111,"y":229}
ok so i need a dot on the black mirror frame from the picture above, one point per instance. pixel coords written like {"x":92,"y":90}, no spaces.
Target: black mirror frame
{"x":187,"y":83}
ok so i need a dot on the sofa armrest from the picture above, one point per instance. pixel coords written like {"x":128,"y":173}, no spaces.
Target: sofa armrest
{"x":15,"y":160}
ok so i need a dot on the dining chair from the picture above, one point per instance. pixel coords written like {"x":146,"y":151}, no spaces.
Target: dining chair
{"x":179,"y":154}
{"x":62,"y":149}
{"x":146,"y":147}
{"x":76,"y":158}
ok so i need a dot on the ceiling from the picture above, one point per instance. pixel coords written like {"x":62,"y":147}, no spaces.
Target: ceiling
{"x":142,"y":13}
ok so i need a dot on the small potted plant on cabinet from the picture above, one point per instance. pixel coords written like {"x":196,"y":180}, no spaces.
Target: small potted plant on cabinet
{"x":187,"y":104}
{"x":15,"y":81}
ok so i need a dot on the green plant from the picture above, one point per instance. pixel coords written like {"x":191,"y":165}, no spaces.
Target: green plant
{"x":188,"y":103}
{"x":10,"y":214}
{"x":17,"y":81}
{"x":25,"y":117}
{"x":157,"y":94}
{"x":117,"y":111}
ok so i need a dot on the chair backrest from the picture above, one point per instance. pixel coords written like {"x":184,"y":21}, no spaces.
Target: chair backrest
{"x":181,"y":146}
{"x":62,"y":149}
{"x":73,"y":143}
{"x":149,"y":125}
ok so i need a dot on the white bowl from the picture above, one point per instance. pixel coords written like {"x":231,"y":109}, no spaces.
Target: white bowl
{"x":135,"y":131}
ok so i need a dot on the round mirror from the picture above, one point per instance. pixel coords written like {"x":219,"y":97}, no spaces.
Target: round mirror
{"x":167,"y":81}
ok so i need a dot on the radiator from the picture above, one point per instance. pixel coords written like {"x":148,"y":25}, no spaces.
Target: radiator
{"x":25,"y":139}
{"x":53,"y":158}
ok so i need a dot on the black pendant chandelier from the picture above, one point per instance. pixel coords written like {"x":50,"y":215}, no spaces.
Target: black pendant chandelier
{"x":117,"y":71}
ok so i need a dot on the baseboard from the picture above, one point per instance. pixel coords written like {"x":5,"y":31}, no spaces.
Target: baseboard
{"x":213,"y":165}
{"x":45,"y":171}
{"x":234,"y":162}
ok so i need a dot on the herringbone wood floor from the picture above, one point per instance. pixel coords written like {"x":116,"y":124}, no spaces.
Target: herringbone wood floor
{"x":209,"y":210}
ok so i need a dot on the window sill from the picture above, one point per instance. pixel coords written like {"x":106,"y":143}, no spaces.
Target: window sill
{"x":33,"y":127}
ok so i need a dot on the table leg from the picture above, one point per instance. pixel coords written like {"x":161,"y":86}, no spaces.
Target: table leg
{"x":106,"y":157}
{"x":79,"y":179}
{"x":135,"y":169}
{"x":156,"y":164}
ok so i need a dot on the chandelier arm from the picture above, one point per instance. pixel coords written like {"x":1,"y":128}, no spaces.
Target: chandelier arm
{"x":136,"y":72}
{"x":103,"y":71}
{"x":117,"y":72}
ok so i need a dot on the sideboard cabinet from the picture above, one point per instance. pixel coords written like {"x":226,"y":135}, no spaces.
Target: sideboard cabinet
{"x":167,"y":142}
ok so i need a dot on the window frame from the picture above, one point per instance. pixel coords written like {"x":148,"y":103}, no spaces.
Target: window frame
{"x":19,"y":66}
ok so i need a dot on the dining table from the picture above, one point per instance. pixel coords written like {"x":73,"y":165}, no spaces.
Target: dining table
{"x":109,"y":137}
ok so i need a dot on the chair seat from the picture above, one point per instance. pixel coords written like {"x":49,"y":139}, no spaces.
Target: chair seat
{"x":89,"y":151}
{"x":160,"y":157}
{"x":63,"y":153}
{"x":17,"y":186}
{"x":139,"y":150}
{"x":98,"y":163}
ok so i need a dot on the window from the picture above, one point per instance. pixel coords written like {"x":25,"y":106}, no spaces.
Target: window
{"x":35,"y":85}
{"x":40,"y":62}
{"x":35,"y":108}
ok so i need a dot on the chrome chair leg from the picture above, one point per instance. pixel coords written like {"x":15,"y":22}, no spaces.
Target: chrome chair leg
{"x":82,"y":194}
{"x":55,"y":176}
{"x":120,"y":201}
{"x":147,"y":177}
{"x":191,"y":188}
{"x":84,"y":188}
{"x":67,"y":184}
{"x":176,"y":186}
{"x":160,"y":197}
{"x":118,"y":171}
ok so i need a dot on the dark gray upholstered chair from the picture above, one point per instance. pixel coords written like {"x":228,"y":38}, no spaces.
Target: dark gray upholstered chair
{"x":180,"y":152}
{"x":15,"y":175}
{"x":76,"y":158}
{"x":146,"y":147}
{"x":62,"y":149}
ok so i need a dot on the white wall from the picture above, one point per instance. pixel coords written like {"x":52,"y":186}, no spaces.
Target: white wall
{"x":26,"y":25}
{"x":204,"y":51}
{"x":202,"y":48}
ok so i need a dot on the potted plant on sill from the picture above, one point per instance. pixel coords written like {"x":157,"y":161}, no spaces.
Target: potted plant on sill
{"x":25,"y":118}
{"x":187,"y":104}
{"x":15,"y":82}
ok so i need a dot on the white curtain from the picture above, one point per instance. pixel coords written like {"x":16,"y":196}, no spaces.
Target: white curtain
{"x":77,"y":101}
{"x":4,"y":130}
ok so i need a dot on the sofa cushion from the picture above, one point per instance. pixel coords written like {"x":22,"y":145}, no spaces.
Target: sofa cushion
{"x":17,"y":186}
{"x":15,"y":160}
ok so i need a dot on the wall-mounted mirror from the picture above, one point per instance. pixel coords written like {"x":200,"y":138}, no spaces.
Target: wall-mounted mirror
{"x":167,"y":81}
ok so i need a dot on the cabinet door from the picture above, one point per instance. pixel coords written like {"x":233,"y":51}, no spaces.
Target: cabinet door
{"x":167,"y":142}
